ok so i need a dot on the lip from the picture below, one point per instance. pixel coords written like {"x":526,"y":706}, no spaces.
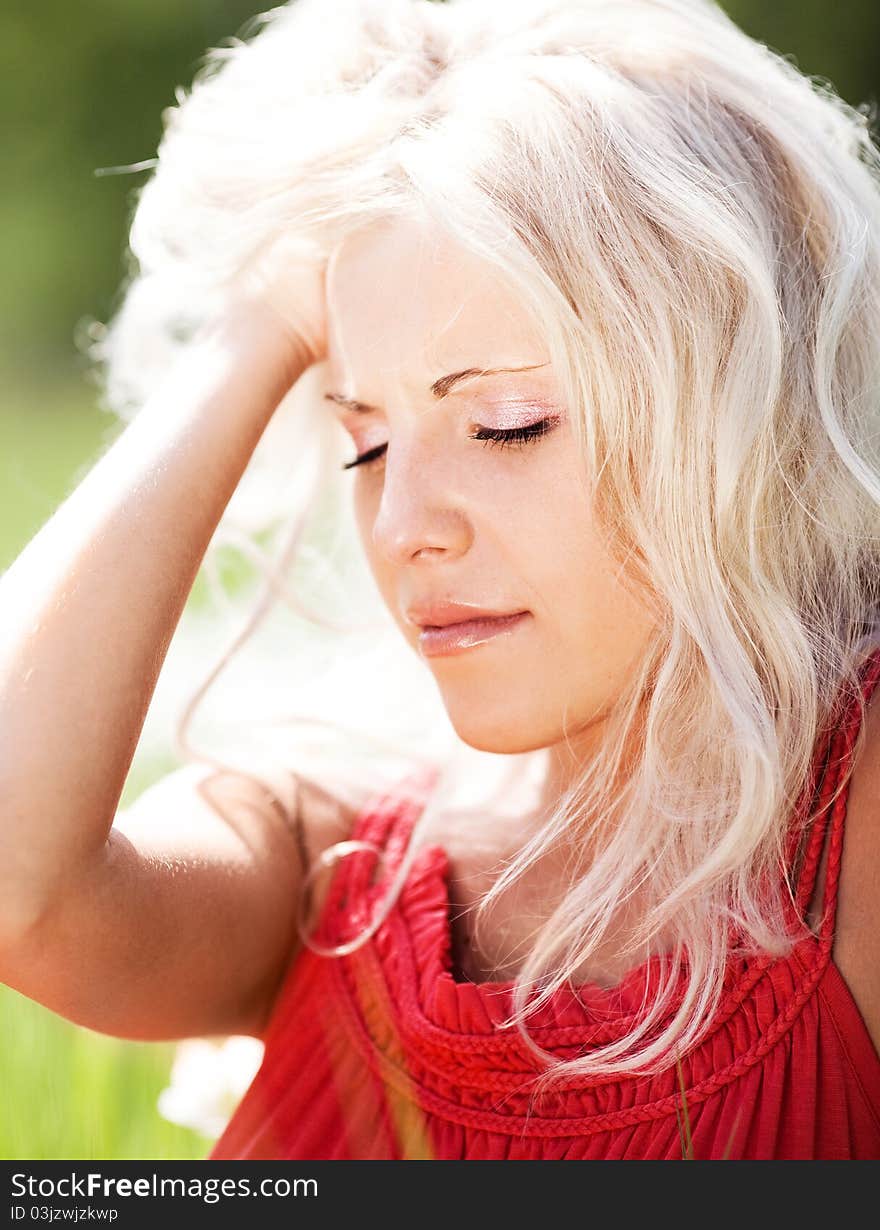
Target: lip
{"x":451,"y":638}
{"x":443,"y":614}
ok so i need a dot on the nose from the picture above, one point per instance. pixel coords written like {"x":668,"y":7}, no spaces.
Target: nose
{"x":422,"y":513}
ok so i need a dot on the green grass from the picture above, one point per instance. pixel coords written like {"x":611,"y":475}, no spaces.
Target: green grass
{"x":49,"y":435}
{"x":73,"y":1094}
{"x":68,"y":1092}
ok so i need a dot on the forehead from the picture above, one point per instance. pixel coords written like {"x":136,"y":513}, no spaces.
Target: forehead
{"x":405,"y":300}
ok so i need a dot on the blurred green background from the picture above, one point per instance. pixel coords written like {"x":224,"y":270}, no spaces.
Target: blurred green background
{"x":82,"y":88}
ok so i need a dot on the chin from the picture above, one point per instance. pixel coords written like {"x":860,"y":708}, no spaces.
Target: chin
{"x":501,"y":737}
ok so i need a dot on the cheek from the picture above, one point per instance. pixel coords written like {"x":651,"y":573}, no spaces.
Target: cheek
{"x":603,"y":614}
{"x":564,"y":554}
{"x":366,"y":495}
{"x":547,"y":523}
{"x":365,"y":504}
{"x":363,"y":516}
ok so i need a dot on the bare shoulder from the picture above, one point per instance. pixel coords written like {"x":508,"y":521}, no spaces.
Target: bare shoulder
{"x":320,"y":818}
{"x":314,"y":816}
{"x":198,"y":884}
{"x":856,"y":950}
{"x":311,"y":815}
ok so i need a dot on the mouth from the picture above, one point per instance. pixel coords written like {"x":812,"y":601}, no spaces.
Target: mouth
{"x":435,"y":642}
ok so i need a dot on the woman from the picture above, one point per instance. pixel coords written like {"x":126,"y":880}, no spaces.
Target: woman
{"x":593,"y":291}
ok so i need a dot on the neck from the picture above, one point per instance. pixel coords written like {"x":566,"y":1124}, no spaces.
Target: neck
{"x":568,"y":759}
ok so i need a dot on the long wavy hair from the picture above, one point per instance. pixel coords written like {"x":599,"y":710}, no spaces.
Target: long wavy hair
{"x":697,"y":227}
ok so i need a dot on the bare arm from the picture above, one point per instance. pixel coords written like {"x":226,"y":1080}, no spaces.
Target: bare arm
{"x":88,"y":609}
{"x":87,"y":613}
{"x":186,"y":925}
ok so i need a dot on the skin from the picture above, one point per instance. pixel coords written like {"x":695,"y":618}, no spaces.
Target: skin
{"x":442,"y":516}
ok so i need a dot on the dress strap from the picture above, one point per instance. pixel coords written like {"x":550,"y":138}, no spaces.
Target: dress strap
{"x":830,"y":816}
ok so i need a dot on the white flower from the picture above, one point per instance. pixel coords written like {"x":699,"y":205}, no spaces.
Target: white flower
{"x":208,"y":1079}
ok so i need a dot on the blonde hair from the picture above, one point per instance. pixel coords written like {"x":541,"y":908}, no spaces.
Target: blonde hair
{"x":697,"y":227}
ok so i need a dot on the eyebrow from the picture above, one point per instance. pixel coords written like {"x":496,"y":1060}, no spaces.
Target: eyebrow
{"x":440,"y":388}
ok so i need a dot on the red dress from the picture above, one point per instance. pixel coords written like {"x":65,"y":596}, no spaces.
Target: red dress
{"x":383,"y":1054}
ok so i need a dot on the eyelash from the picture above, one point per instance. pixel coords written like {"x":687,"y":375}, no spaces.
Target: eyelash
{"x":487,"y":435}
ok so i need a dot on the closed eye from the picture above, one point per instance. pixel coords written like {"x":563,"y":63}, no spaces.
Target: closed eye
{"x":492,"y":436}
